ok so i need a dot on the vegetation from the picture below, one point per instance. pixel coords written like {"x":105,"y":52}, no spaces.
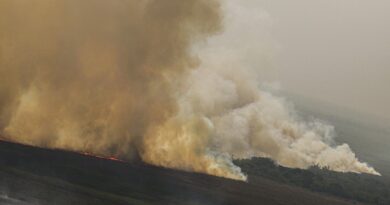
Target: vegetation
{"x":359,"y":187}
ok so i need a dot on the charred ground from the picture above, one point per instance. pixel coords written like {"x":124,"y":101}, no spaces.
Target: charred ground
{"x":30,"y":175}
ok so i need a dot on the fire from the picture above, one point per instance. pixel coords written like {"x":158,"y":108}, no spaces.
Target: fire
{"x":112,"y":158}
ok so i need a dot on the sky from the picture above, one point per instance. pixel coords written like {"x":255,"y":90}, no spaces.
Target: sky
{"x":335,"y":51}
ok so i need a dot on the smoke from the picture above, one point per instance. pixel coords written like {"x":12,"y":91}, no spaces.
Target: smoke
{"x":225,"y":113}
{"x":95,"y":75}
{"x":121,"y":78}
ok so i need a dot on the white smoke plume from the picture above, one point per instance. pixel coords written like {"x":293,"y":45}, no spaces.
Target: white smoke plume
{"x":224,"y":111}
{"x":249,"y":121}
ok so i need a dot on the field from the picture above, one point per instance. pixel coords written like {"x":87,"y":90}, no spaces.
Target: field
{"x":30,"y":175}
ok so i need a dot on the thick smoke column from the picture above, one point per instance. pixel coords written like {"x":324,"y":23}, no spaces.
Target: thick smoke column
{"x":118,"y":78}
{"x":95,"y":75}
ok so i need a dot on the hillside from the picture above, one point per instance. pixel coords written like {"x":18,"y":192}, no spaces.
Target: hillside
{"x":30,"y":175}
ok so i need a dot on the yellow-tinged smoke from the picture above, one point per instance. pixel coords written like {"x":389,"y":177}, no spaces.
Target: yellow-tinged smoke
{"x":118,"y":78}
{"x":98,"y":75}
{"x":182,"y":142}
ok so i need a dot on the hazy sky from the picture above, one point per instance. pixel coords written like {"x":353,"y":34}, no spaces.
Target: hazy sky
{"x":334,"y":50}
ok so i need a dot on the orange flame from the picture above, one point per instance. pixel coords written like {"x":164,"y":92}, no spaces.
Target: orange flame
{"x":112,"y":158}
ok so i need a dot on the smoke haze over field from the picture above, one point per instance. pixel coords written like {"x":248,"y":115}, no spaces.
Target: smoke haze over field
{"x":139,"y":77}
